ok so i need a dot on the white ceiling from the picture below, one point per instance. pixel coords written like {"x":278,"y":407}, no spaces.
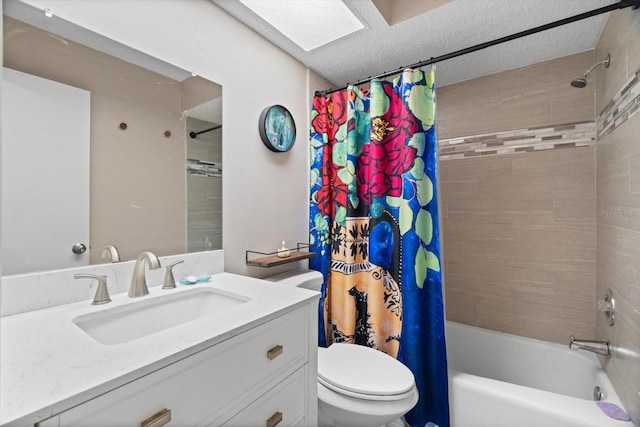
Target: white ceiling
{"x":456,"y":25}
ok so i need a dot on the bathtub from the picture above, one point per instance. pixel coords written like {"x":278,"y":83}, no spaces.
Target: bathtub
{"x":501,"y":380}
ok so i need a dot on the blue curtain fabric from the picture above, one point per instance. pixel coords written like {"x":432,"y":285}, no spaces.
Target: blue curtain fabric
{"x":374,"y":228}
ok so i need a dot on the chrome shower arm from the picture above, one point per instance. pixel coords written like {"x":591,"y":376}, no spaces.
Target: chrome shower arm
{"x":604,"y":62}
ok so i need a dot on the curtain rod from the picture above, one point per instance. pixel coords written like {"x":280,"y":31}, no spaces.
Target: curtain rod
{"x":194,"y":134}
{"x":620,"y":5}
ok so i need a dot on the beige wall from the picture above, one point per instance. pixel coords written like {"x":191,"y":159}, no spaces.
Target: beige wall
{"x":618,"y":209}
{"x":317,"y":83}
{"x":519,"y":229}
{"x":537,"y":95}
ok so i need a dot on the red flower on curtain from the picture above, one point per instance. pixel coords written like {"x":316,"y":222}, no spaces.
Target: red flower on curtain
{"x":387,"y":156}
{"x":320,"y":122}
{"x":333,"y":191}
{"x":332,"y":114}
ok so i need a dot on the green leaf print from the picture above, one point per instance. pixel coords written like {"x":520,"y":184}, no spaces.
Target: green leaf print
{"x":316,"y":143}
{"x":405,"y":217}
{"x":425,"y":190}
{"x":351,"y":167}
{"x":345,"y":176}
{"x":320,"y":222}
{"x":418,"y":168}
{"x":416,"y":76}
{"x":379,"y":100}
{"x":341,"y":134}
{"x":422,"y":105}
{"x":394,"y":201}
{"x":341,"y":215}
{"x":424,"y":226}
{"x":421,"y":266}
{"x":433,"y":263}
{"x":313,"y":176}
{"x":417,"y":141}
{"x":339,"y":157}
{"x":425,"y":260}
{"x":355,"y":201}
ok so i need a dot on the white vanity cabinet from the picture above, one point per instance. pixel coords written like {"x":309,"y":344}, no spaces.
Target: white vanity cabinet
{"x":265,"y":376}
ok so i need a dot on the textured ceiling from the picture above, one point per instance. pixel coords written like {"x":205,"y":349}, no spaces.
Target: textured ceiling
{"x":456,"y":25}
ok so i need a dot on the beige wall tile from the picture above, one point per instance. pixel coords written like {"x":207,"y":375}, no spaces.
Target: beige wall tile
{"x":618,"y":212}
{"x":537,"y":95}
{"x":634,"y":173}
{"x":633,"y":44}
{"x":521,"y":230}
{"x":522,"y":240}
{"x":574,"y":109}
{"x":621,"y":39}
{"x":463,"y":310}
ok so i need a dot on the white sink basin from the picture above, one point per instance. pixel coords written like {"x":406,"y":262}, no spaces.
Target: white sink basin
{"x":147,"y":316}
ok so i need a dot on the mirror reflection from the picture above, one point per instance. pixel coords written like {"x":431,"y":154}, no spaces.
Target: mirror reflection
{"x":98,"y":151}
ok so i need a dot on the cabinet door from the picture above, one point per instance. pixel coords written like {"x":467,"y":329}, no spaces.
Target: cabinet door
{"x":215,"y":383}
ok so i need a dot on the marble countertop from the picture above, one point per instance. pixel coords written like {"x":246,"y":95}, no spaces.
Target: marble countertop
{"x":48,"y":364}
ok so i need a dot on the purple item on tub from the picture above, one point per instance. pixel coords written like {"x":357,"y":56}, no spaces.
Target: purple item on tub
{"x":613,"y":410}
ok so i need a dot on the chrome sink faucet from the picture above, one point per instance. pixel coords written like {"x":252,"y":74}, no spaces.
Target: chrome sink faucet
{"x":138,"y":286}
{"x":602,"y":348}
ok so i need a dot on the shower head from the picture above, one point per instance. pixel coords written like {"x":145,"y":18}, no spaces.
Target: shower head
{"x":581,"y":81}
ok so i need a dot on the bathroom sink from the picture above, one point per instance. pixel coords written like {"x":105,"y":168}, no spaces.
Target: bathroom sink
{"x":141,"y":318}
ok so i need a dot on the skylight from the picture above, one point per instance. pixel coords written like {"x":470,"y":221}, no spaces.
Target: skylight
{"x":309,"y":23}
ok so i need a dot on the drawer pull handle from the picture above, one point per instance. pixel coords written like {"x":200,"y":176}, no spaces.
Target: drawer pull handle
{"x":157,"y":420}
{"x":275,"y":352}
{"x":274,"y":419}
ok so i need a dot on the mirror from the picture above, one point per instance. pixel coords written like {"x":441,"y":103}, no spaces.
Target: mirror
{"x":152,"y":139}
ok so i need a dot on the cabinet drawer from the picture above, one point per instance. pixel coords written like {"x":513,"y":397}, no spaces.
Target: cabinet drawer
{"x":209,"y":382}
{"x":282,"y":406}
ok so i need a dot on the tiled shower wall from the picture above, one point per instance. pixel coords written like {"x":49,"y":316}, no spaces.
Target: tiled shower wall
{"x":618,"y":201}
{"x":518,"y":200}
{"x":538,"y":222}
{"x":204,"y":193}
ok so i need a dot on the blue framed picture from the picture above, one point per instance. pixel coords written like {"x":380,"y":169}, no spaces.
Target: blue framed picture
{"x":277,"y":128}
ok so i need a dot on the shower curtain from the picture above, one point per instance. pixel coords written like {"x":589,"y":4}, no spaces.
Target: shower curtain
{"x":374,"y":228}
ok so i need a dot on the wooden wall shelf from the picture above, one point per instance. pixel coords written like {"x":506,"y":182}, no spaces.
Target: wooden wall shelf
{"x":271,"y":259}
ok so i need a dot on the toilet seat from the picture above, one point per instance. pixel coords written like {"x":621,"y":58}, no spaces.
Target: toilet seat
{"x":364,"y":373}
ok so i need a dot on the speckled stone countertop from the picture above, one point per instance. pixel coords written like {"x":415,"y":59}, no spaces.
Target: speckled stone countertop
{"x":48,"y":364}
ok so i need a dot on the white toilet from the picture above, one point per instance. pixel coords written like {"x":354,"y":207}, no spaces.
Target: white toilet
{"x":357,"y":385}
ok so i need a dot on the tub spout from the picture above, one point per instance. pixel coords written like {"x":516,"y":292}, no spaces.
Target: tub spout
{"x":599,"y":347}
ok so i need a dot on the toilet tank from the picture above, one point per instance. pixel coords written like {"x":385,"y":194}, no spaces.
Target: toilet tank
{"x":307,"y":279}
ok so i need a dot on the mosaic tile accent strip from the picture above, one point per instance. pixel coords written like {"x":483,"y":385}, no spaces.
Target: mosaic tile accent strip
{"x":568,"y":135}
{"x":621,"y":108}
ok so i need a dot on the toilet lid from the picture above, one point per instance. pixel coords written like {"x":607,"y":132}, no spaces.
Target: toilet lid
{"x":363,"y":370}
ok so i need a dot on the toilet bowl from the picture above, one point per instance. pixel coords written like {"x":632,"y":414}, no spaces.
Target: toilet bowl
{"x":357,"y":385}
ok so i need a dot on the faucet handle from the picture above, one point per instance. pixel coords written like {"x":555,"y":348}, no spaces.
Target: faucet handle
{"x":102,"y":293}
{"x":608,"y":307}
{"x":169,"y":279}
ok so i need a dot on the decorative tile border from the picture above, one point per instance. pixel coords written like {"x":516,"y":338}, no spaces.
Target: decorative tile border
{"x":624,"y":105}
{"x":580,"y":134}
{"x":621,"y":108}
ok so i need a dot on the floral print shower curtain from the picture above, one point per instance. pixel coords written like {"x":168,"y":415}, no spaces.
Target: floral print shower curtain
{"x":374,"y":228}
